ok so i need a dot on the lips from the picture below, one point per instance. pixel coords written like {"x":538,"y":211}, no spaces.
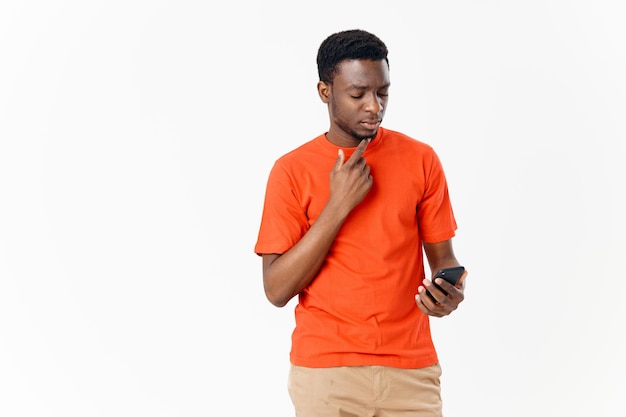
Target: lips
{"x":370,"y":124}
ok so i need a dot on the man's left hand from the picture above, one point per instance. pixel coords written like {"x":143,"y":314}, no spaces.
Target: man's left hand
{"x":444,"y":304}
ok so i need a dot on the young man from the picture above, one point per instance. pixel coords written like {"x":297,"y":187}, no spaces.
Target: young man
{"x":347,"y":218}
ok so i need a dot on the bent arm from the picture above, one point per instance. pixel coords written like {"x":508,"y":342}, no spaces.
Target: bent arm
{"x":288,"y":274}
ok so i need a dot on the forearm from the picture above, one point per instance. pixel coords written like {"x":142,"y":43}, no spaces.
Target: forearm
{"x":440,"y":255}
{"x":286,"y":275}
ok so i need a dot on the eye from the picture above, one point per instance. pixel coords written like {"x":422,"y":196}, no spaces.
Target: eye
{"x":356,"y":97}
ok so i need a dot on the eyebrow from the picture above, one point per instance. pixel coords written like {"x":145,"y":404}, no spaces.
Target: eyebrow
{"x":362,"y":87}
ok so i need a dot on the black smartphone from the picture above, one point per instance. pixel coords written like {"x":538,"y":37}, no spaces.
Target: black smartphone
{"x":453,"y":275}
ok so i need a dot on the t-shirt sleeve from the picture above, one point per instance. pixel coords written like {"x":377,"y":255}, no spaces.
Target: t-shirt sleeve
{"x":284,"y":220}
{"x":434,"y":213}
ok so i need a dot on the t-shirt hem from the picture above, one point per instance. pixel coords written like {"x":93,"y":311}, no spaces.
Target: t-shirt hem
{"x":439,"y":237}
{"x":390,"y":362}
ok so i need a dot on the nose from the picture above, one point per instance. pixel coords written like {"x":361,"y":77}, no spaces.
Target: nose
{"x":374,"y":104}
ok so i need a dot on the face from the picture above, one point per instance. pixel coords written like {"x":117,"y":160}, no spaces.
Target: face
{"x":357,"y":100}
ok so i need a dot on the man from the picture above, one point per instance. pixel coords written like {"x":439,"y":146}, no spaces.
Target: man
{"x":347,"y":218}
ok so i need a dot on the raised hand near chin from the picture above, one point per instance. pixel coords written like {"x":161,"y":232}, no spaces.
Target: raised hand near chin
{"x":350,"y":181}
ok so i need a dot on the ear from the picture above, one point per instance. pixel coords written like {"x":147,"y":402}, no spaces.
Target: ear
{"x":324,"y":90}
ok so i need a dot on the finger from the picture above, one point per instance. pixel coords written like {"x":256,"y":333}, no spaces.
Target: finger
{"x":360,"y":149}
{"x":425,"y":303}
{"x":433,"y":292}
{"x":461,"y":282}
{"x":419,"y":299}
{"x":445,"y":285}
{"x":366,"y":172}
{"x":450,"y":292}
{"x":425,"y":297}
{"x":420,"y":305}
{"x":340,"y":158}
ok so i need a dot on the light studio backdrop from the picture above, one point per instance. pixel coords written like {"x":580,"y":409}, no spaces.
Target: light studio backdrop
{"x":135,"y":142}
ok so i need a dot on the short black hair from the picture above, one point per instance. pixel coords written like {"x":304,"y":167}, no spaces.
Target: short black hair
{"x":348,"y":44}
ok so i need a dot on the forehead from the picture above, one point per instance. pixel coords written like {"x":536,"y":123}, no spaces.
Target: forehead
{"x":362,"y":72}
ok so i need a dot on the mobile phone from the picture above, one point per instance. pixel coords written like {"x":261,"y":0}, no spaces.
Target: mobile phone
{"x":453,"y":275}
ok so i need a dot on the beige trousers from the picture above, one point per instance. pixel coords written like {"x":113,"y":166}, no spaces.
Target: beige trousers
{"x":365,"y":391}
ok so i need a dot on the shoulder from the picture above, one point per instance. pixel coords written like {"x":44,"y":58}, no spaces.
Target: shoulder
{"x":306,"y":157}
{"x":299,"y":152}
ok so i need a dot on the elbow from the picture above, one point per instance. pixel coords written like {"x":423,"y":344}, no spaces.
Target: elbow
{"x":279,"y":290}
{"x":277,"y":300}
{"x":278,"y":303}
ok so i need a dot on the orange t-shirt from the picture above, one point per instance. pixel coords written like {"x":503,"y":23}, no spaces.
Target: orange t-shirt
{"x":360,"y":308}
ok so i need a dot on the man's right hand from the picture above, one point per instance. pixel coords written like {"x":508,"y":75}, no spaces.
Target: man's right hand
{"x":350,"y":181}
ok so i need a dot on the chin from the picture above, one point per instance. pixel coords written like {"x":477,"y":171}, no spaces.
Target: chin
{"x":361,"y":136}
{"x":371,"y":136}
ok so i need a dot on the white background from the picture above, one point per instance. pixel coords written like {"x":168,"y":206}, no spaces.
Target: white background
{"x":135,"y":142}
